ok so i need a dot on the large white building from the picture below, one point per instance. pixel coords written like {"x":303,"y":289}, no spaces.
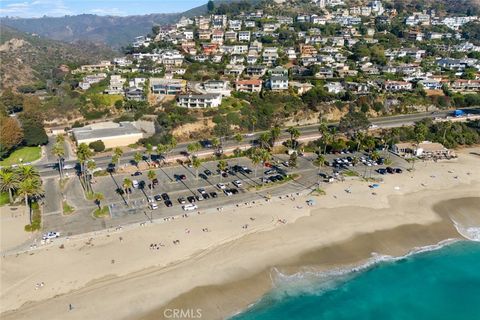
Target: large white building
{"x":199,"y":100}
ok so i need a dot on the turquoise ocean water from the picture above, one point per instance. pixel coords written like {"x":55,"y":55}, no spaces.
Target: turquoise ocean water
{"x":437,"y":284}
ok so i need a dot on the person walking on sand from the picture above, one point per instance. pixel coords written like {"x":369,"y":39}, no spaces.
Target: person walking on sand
{"x":70,"y":307}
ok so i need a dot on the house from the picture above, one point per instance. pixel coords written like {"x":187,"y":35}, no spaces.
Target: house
{"x":249,"y":24}
{"x":217,"y":36}
{"x":219,"y":21}
{"x":199,"y":100}
{"x":254,"y":85}
{"x":167,"y":86}
{"x":395,"y":86}
{"x":134,"y":93}
{"x":217,"y":86}
{"x":234,"y":70}
{"x":430,"y":84}
{"x":334,"y":87}
{"x":244,"y":36}
{"x":91,"y":79}
{"x":270,"y":55}
{"x":256,"y":71}
{"x":466,"y":85}
{"x":102,"y":66}
{"x":301,"y":87}
{"x":116,"y":85}
{"x":235,"y":25}
{"x":231,"y":36}
{"x":112,"y":134}
{"x":278,"y":83}
{"x":278,"y":71}
{"x":425,"y":150}
{"x":204,"y":35}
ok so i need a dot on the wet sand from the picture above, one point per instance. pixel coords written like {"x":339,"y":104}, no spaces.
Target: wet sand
{"x":222,"y":301}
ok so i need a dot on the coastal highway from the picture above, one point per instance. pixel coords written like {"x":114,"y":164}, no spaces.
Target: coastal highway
{"x":308,"y":133}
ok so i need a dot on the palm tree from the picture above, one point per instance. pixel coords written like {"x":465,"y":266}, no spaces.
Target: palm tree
{"x":255,"y":158}
{"x":294,"y":134}
{"x":359,"y":139}
{"x":29,"y":188}
{"x":320,"y":162}
{"x":127,"y":184}
{"x":118,"y":153}
{"x":59,"y":151}
{"x":264,"y":139}
{"x":8,"y":182}
{"x":264,"y":156}
{"x":91,"y":165}
{"x":149,"y":149}
{"x":196,"y":163}
{"x":137,"y":158}
{"x":83,"y":155}
{"x":274,"y":135}
{"x":151,"y":175}
{"x":98,"y":197}
{"x":193,"y":148}
{"x":222,"y":166}
{"x":27,"y":172}
{"x":161,"y":150}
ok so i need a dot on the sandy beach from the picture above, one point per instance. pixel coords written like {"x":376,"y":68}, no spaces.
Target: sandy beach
{"x":224,"y":261}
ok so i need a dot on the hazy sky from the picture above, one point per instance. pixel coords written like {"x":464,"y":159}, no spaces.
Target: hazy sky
{"x":55,"y":8}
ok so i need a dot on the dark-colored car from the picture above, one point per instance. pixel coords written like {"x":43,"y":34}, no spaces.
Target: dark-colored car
{"x":224,"y":174}
{"x":206,"y":196}
{"x":398,"y":170}
{"x":390,"y":170}
{"x":203,"y":176}
{"x":213,"y":194}
{"x":155,"y":181}
{"x":182,"y":200}
{"x":168,"y":203}
{"x":207,"y":172}
{"x":136,"y":174}
{"x":191,"y":199}
{"x":382,"y":171}
{"x":181,"y":177}
{"x":157,"y":197}
{"x":165,"y":196}
{"x":233,"y":190}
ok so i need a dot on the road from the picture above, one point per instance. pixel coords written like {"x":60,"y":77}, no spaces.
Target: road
{"x":308,"y":133}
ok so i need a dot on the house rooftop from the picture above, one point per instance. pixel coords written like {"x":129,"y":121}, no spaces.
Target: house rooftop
{"x":105,"y":130}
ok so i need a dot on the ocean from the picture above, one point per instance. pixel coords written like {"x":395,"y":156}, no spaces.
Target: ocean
{"x":438,"y":283}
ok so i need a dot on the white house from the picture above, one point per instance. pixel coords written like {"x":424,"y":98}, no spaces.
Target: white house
{"x":199,"y":100}
{"x":278,"y":83}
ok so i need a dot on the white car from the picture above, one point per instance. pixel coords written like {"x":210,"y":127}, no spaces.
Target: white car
{"x":151,"y":200}
{"x":237,"y":183}
{"x":68,"y":167}
{"x":51,"y":235}
{"x":221,"y":186}
{"x":228,"y":193}
{"x":135,"y":183}
{"x":189,"y":207}
{"x":153,"y":206}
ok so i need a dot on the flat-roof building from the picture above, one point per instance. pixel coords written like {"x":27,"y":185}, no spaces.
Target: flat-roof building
{"x":112,"y":134}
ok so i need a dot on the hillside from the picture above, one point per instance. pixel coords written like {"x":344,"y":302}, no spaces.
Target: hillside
{"x":113,"y":31}
{"x":109,"y":30}
{"x":28,"y":59}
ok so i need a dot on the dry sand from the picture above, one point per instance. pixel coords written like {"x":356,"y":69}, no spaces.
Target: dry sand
{"x":12,"y":227}
{"x":117,"y":276}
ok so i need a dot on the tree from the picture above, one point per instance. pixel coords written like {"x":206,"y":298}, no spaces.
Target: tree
{"x":193,"y":148}
{"x":97,"y":146}
{"x":196,"y":163}
{"x":292,"y":160}
{"x":59,"y":151}
{"x":255,"y":158}
{"x":8,"y":182}
{"x":151,"y":175}
{"x":137,"y":158}
{"x":83,"y":155}
{"x":274,"y":135}
{"x":127,"y":185}
{"x":210,"y":6}
{"x":11,"y":134}
{"x":265,"y":156}
{"x":264,"y":140}
{"x":319,"y":162}
{"x":27,"y":172}
{"x":352,"y":122}
{"x":33,"y":131}
{"x":238,"y":138}
{"x":98,"y":198}
{"x":222,"y":166}
{"x":294,"y":134}
{"x":149,"y":149}
{"x":117,"y":152}
{"x":29,"y":188}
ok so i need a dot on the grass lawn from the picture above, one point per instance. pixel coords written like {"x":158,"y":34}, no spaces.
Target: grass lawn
{"x":27,"y":154}
{"x":67,"y":209}
{"x":101,"y":213}
{"x":4,"y":199}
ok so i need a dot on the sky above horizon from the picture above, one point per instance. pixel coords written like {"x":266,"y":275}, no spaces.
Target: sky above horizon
{"x":60,"y":8}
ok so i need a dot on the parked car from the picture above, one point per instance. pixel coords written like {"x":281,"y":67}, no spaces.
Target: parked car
{"x":213,"y":194}
{"x":165,"y":196}
{"x":135,"y":183}
{"x":151,"y":200}
{"x":398,"y":170}
{"x":382,"y":171}
{"x":237,"y":183}
{"x":206,"y":196}
{"x":153,"y":206}
{"x":233,"y":190}
{"x":189,"y":207}
{"x":191,"y":199}
{"x":201,"y":190}
{"x":221,"y":186}
{"x":168,"y":203}
{"x":51,"y":235}
{"x":199,"y":197}
{"x":207,"y":172}
{"x":136,"y":174}
{"x":390,"y":170}
{"x":227,"y":192}
{"x":182,"y":200}
{"x":286,"y":163}
{"x":157,"y":197}
{"x":270,"y":171}
{"x":181,"y":177}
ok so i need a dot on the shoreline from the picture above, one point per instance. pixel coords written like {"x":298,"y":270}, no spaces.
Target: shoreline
{"x":352,"y":255}
{"x":117,"y":276}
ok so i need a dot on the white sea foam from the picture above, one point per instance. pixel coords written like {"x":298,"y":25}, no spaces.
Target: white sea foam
{"x":468,"y":232}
